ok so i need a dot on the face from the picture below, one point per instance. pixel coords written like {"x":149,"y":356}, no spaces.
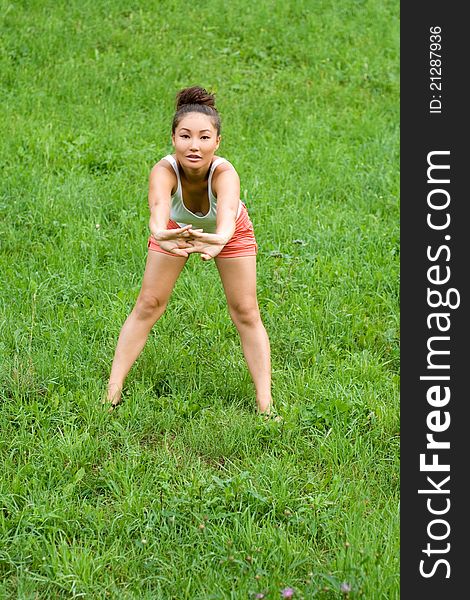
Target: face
{"x":195,"y":140}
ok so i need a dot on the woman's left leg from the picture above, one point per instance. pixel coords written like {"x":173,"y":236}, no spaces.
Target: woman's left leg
{"x":238,"y":277}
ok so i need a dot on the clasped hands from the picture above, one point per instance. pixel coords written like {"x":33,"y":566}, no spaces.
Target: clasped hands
{"x":186,"y":240}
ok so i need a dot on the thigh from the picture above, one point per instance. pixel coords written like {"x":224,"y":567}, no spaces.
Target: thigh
{"x":160,"y":275}
{"x":238,"y":277}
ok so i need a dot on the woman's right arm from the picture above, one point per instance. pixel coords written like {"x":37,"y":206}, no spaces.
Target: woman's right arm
{"x":159,"y":196}
{"x":161,"y":182}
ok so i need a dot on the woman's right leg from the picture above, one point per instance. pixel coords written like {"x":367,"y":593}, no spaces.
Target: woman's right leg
{"x":161,"y":273}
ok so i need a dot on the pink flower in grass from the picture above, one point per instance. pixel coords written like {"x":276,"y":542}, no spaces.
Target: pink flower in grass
{"x":287,"y":593}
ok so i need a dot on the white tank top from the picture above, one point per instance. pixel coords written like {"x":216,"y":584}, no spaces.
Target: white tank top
{"x":181,"y":215}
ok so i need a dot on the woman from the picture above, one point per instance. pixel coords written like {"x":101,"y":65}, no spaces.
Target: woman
{"x":195,"y":207}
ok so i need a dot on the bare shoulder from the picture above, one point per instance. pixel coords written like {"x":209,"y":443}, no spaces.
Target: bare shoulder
{"x":161,"y":166}
{"x":162,"y":176}
{"x":162,"y":171}
{"x":223,"y":167}
{"x":225,"y":180}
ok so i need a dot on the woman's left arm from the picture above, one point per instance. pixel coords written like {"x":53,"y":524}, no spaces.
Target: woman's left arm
{"x":227,"y":188}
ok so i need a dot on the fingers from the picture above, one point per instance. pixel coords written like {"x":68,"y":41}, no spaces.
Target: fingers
{"x":179,"y":252}
{"x":198,"y":233}
{"x":190,"y":232}
{"x":181,"y":229}
{"x":175,"y":234}
{"x":207,"y":238}
{"x":192,"y":249}
{"x":179,"y":232}
{"x":206,"y":256}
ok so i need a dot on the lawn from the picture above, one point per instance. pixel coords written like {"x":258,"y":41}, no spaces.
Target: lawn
{"x":184,"y":492}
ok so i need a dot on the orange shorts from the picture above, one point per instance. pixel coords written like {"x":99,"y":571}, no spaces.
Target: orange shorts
{"x":242,"y":243}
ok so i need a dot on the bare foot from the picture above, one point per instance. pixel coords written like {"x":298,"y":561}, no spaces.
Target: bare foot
{"x":113,"y":396}
{"x":264,"y":404}
{"x":267,"y":411}
{"x":268,"y":416}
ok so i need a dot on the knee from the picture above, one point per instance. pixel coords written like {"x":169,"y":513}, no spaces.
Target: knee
{"x":245,"y":314}
{"x":149,"y":306}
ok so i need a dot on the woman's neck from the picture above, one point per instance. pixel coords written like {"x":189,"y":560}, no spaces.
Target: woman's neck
{"x":195,"y":175}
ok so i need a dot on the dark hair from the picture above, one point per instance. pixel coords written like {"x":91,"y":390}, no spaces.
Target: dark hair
{"x":195,"y":99}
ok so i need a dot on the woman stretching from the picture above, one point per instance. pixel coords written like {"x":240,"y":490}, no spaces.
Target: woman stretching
{"x":194,"y":201}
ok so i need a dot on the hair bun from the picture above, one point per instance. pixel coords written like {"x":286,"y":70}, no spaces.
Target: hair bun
{"x":194,"y":95}
{"x":195,"y":99}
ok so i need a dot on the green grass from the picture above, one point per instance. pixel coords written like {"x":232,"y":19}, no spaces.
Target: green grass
{"x":183,"y":493}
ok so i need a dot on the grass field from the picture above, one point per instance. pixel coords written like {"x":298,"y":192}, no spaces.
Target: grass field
{"x":184,"y":493}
